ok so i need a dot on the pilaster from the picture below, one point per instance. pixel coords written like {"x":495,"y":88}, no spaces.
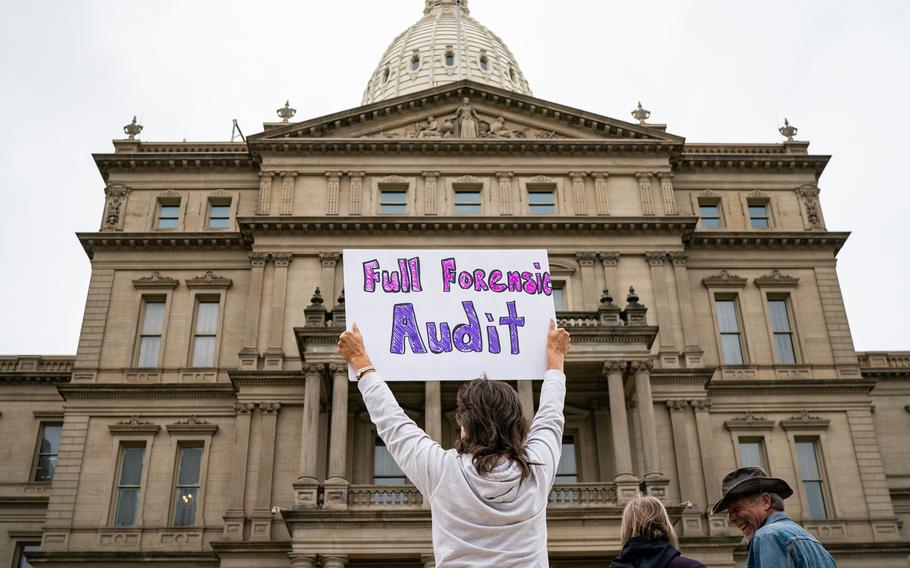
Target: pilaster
{"x":274,"y":355}
{"x":430,"y":180}
{"x":261,"y":519}
{"x":668,"y":354}
{"x":333,"y":183}
{"x":249,"y":354}
{"x":689,"y":490}
{"x":666,"y":187}
{"x":692,"y":351}
{"x":588,"y":284}
{"x":356,"y":192}
{"x":600,"y":193}
{"x":289,"y":179}
{"x":644,"y":191}
{"x":235,"y":515}
{"x":265,"y":193}
{"x":505,"y":192}
{"x":329,"y":261}
{"x":610,"y":261}
{"x":578,"y":191}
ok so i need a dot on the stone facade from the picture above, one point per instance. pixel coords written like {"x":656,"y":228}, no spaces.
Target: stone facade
{"x":206,"y":419}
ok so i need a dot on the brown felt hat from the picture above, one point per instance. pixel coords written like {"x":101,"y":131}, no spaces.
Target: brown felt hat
{"x":749,"y":481}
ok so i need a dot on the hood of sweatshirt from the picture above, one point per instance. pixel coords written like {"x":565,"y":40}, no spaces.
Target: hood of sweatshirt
{"x":499,"y":486}
{"x":641,"y":552}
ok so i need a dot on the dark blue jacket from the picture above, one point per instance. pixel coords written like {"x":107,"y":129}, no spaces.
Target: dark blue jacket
{"x":642,"y":552}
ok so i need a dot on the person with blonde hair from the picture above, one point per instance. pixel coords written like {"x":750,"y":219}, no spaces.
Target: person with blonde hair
{"x":648,"y":538}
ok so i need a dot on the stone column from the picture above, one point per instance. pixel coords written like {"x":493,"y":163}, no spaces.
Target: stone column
{"x":307,"y":480}
{"x":302,"y":560}
{"x":689,"y":487}
{"x":261,"y":519}
{"x":644,"y":190}
{"x":505,"y":192}
{"x":610,"y":261}
{"x":600,"y":192}
{"x":642,"y":372}
{"x":604,"y":439}
{"x":235,"y":515}
{"x":578,"y":190}
{"x":691,"y":349}
{"x":669,"y":355}
{"x":333,"y":183}
{"x":526,"y":397}
{"x":429,"y":192}
{"x":329,"y":261}
{"x":622,"y":449}
{"x":336,"y":486}
{"x":433,"y":410}
{"x":274,"y":354}
{"x":334,"y":561}
{"x":356,"y":192}
{"x":287,"y":192}
{"x":265,"y":193}
{"x":666,"y":187}
{"x":249,"y":354}
{"x":588,"y":287}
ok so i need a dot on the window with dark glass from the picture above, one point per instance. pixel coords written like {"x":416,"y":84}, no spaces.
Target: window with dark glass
{"x":512,"y":73}
{"x":49,"y":445}
{"x":783,"y":332}
{"x":730,"y":335}
{"x":204,"y":335}
{"x":758,"y":215}
{"x":484,"y":63}
{"x":186,"y":489}
{"x":710,"y":215}
{"x":150,"y":331}
{"x":386,"y":73}
{"x":450,"y":58}
{"x":168,"y":215}
{"x":467,"y":202}
{"x":21,"y":550}
{"x":810,"y":475}
{"x":752,"y":452}
{"x":567,"y":469}
{"x":542,"y":202}
{"x":219,"y":215}
{"x":385,"y":470}
{"x":559,"y":295}
{"x":415,"y":62}
{"x":129,"y":485}
{"x":393,"y":201}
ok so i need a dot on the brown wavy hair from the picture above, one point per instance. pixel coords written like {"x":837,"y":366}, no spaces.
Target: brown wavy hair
{"x":494,"y":425}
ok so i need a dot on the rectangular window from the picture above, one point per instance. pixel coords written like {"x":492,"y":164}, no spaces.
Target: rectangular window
{"x":49,"y":444}
{"x":186,"y":489}
{"x":710,"y":215}
{"x":450,"y":57}
{"x":467,"y":202}
{"x":730,"y":336}
{"x":129,"y":485}
{"x":783,"y":332}
{"x":567,"y":469}
{"x":758,"y":214}
{"x":542,"y":202}
{"x":559,"y":296}
{"x":394,"y":201}
{"x":385,"y":470}
{"x":205,"y":333}
{"x":168,"y":214}
{"x":150,"y":332}
{"x":811,"y":477}
{"x":219,"y":215}
{"x":21,"y":549}
{"x":752,"y":453}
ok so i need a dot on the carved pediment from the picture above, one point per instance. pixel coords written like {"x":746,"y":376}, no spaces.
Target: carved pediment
{"x":209,"y":280}
{"x":155,"y":280}
{"x":724,"y":279}
{"x":776,"y":279}
{"x":465,"y":110}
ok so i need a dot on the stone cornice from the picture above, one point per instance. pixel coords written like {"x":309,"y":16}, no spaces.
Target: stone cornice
{"x":149,"y":391}
{"x":767,"y":240}
{"x":172,"y":157}
{"x":406,"y":226}
{"x":36,"y":364}
{"x":766,"y":162}
{"x":764,"y":388}
{"x":130,"y":242}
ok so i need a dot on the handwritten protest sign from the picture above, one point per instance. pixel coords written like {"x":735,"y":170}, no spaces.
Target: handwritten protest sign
{"x":451,"y":314}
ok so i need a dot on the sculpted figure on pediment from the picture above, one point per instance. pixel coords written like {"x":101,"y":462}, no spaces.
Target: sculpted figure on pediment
{"x":466,"y":121}
{"x":499,"y":130}
{"x":429,"y":129}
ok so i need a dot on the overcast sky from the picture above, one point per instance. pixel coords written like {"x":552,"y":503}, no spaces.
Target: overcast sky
{"x":73,"y":72}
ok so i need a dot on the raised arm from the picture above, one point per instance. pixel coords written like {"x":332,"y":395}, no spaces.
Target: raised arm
{"x":418,"y":456}
{"x":545,"y":437}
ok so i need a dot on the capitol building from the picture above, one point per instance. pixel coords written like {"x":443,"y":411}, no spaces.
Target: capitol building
{"x":207,"y":421}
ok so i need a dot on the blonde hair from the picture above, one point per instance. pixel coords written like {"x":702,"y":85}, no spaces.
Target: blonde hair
{"x":646,"y":516}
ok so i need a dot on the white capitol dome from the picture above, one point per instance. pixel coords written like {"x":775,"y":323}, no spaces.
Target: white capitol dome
{"x":446,"y":45}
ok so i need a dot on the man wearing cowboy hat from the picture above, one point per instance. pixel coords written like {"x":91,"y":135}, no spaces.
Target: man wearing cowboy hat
{"x":754,"y":503}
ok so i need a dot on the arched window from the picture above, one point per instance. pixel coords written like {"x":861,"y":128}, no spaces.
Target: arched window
{"x":484,"y":63}
{"x":415,"y":62}
{"x":385,"y":75}
{"x":450,"y":57}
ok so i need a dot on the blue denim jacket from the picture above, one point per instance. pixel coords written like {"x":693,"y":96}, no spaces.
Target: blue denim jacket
{"x":781,"y":543}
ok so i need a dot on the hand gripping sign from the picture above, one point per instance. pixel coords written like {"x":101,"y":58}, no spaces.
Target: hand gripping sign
{"x":451,"y":314}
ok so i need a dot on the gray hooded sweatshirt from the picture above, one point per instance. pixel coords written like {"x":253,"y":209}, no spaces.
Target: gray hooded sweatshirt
{"x":493,"y":520}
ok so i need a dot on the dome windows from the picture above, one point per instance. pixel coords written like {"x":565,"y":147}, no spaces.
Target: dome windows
{"x":484,"y":62}
{"x":450,"y":56}
{"x":415,"y":61}
{"x":512,"y":74}
{"x":385,"y":74}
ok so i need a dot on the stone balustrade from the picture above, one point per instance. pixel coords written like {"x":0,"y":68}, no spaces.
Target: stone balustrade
{"x":17,"y":364}
{"x":885,"y":359}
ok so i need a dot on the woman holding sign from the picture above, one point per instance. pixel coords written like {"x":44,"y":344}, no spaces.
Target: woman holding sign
{"x":488,"y":496}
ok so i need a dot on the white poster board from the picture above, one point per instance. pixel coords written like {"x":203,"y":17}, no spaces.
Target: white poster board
{"x":451,"y":314}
